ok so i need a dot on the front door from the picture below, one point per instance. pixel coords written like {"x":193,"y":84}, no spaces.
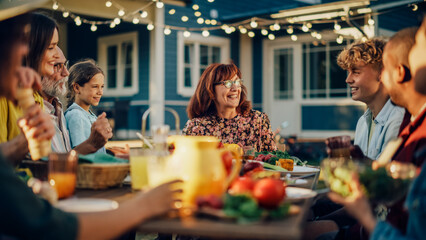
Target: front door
{"x":282,"y":85}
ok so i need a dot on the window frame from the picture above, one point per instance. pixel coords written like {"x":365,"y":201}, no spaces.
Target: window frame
{"x":197,"y":40}
{"x":117,"y":40}
{"x":306,"y":74}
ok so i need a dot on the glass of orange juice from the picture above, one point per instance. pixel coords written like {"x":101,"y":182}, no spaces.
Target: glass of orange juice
{"x":62,"y":173}
{"x":139,"y":158}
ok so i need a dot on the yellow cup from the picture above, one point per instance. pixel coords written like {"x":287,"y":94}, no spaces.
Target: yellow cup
{"x":139,"y":158}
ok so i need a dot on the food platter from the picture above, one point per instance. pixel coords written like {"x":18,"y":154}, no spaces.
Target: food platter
{"x":82,"y":205}
{"x":297,"y":170}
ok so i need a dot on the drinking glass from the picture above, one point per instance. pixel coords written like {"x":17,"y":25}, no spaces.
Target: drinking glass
{"x":62,"y":172}
{"x":139,"y":158}
{"x":339,"y":146}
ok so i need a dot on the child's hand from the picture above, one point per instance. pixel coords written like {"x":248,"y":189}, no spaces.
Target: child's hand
{"x":37,"y":124}
{"x":101,"y":131}
{"x":162,"y":199}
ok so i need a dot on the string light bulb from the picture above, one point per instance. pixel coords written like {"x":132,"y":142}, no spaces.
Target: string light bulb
{"x":414,"y":7}
{"x":172,"y":11}
{"x":200,"y":20}
{"x":339,"y":39}
{"x":207,"y":21}
{"x":150,"y":27}
{"x":144,"y":14}
{"x":55,"y":6}
{"x":293,"y":38}
{"x":159,"y":4}
{"x":77,"y":21}
{"x":243,"y":30}
{"x":195,"y":7}
{"x":253,"y":23}
{"x":93,"y":28}
{"x":271,"y":36}
{"x":135,"y":20}
{"x":112,"y":25}
{"x":186,"y":34}
{"x":213,"y":22}
{"x":250,"y":34}
{"x":184,"y":18}
{"x":337,"y":26}
{"x":65,"y":14}
{"x":121,"y":12}
{"x":290,"y":30}
{"x":277,"y":26}
{"x":264,"y":32}
{"x":210,"y":1}
{"x":197,"y":13}
{"x":205,"y":33}
{"x":309,"y":25}
{"x":371,"y":21}
{"x":314,"y":34}
{"x":305,"y":28}
{"x":117,"y":21}
{"x":318,"y":36}
{"x":108,"y":3}
{"x":167,"y":31}
{"x":228,"y":30}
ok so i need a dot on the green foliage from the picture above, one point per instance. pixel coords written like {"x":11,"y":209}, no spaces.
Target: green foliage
{"x":245,"y":209}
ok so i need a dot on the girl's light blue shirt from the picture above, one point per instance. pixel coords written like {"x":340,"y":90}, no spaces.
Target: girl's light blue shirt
{"x":79,"y":124}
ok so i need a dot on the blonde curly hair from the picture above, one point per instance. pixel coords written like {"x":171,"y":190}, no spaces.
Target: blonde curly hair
{"x":369,"y":52}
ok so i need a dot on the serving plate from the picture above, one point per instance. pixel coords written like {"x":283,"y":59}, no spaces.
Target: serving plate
{"x":83,"y":205}
{"x":295,"y":193}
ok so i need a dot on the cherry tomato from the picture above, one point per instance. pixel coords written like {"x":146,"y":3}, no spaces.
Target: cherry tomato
{"x":269,"y":192}
{"x":241,"y":185}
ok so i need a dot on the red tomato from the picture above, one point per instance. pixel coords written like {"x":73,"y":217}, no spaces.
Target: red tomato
{"x":227,"y":161}
{"x":241,"y":185}
{"x":269,"y":192}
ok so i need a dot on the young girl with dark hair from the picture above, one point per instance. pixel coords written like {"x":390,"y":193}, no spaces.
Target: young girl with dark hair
{"x":85,"y":89}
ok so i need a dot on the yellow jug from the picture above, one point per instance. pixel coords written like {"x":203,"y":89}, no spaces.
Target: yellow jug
{"x":197,"y":160}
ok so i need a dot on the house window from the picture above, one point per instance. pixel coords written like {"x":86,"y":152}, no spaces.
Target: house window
{"x":283,"y":73}
{"x":195,"y":54}
{"x":118,"y":58}
{"x":323,"y":78}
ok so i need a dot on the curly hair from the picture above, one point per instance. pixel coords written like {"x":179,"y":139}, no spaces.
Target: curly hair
{"x":369,"y":52}
{"x":202,"y":103}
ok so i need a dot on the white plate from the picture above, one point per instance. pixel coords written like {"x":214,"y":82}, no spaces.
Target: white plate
{"x":297,"y":170}
{"x":80,"y":205}
{"x":295,"y":193}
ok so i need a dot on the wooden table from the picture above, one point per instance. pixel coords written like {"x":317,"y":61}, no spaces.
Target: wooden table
{"x":288,"y":228}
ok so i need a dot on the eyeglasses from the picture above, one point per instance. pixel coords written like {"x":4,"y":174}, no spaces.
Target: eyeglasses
{"x":60,"y":66}
{"x":228,"y":83}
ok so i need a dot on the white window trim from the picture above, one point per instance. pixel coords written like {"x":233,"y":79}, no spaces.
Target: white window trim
{"x":103,"y":43}
{"x":197,"y":40}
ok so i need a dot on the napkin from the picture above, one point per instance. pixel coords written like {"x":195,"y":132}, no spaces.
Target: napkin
{"x":100,"y":158}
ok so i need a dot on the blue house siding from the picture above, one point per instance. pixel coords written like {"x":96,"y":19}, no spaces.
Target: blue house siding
{"x":334,"y":118}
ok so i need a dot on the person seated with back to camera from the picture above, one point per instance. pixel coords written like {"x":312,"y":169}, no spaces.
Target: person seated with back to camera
{"x":220,"y":108}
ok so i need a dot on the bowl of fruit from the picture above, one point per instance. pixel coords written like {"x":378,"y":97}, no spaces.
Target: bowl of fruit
{"x":384,"y":184}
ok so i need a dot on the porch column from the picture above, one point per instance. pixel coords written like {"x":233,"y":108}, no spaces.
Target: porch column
{"x":246,"y":63}
{"x":156,"y":70}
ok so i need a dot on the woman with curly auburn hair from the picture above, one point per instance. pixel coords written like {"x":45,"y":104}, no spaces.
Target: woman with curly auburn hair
{"x":220,"y":108}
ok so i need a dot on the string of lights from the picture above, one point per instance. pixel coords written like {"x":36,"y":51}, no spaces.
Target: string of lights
{"x":266,"y":27}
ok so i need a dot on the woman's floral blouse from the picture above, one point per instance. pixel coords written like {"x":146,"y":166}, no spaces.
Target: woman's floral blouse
{"x":251,"y":129}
